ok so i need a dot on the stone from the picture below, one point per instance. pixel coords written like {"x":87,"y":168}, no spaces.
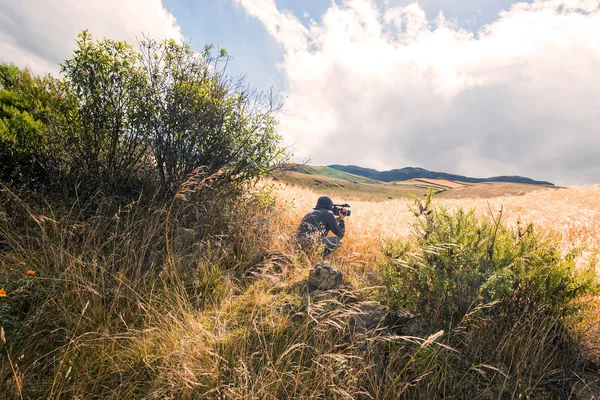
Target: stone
{"x":403,"y":322}
{"x":324,"y":295}
{"x":398,"y":319}
{"x":340,"y":295}
{"x":187,"y":236}
{"x":416,"y":326}
{"x":368,"y":315}
{"x":324,"y":276}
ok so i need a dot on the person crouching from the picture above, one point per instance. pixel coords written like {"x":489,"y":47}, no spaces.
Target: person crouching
{"x":316,"y":225}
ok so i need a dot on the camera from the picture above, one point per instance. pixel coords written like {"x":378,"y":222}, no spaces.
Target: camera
{"x":341,"y":209}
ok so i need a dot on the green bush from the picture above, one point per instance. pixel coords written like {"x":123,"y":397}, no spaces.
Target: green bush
{"x":26,"y":112}
{"x":506,"y":297}
{"x":121,"y":119}
{"x":107,"y":129}
{"x":203,"y":119}
{"x":459,"y":261}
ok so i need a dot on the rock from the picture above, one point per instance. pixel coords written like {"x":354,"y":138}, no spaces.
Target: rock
{"x":416,"y":326}
{"x":347,"y":296}
{"x":403,"y":322}
{"x":398,"y":319}
{"x":324,"y":295}
{"x":340,"y":295}
{"x":368,"y":315}
{"x":186,"y":236}
{"x":324,"y":276}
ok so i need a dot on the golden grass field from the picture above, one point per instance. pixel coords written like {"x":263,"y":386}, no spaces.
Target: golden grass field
{"x":571,"y":214}
{"x":207,"y":333}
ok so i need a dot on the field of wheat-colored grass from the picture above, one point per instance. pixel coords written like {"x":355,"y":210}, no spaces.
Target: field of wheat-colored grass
{"x":571,"y":214}
{"x":224,"y":316}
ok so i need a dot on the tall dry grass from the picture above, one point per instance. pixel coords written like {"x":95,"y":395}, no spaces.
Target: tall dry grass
{"x":110,"y":313}
{"x":143,"y":301}
{"x":570,"y":216}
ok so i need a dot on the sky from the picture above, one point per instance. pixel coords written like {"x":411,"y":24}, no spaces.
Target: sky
{"x":479,"y":88}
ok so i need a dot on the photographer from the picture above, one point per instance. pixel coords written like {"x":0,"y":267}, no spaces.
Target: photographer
{"x":317,"y":223}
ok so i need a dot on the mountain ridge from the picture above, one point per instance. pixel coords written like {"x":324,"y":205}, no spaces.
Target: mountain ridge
{"x":407,"y":173}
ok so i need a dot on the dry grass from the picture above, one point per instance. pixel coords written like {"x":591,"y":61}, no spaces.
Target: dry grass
{"x":570,"y":215}
{"x":131,"y":324}
{"x":354,"y":190}
{"x":489,"y":190}
{"x":445,"y":184}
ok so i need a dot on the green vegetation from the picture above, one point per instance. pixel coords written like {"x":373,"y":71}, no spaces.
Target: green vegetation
{"x":508,"y":300}
{"x":352,"y":187}
{"x":27,"y":109}
{"x":348,"y":189}
{"x":120,"y":119}
{"x":334,"y":173}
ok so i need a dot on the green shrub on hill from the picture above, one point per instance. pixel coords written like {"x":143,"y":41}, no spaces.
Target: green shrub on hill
{"x":27,"y":116}
{"x":505,"y":297}
{"x":107,"y":129}
{"x":119,"y":117}
{"x":200,"y":117}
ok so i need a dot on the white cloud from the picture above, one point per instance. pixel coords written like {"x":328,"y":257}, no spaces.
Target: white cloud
{"x":389,"y":88}
{"x":41,"y":34}
{"x":281,"y":25}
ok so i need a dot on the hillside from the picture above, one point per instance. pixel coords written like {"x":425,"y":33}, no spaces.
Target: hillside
{"x":349,"y":187}
{"x":334,"y":173}
{"x":408,"y":173}
{"x":165,"y":263}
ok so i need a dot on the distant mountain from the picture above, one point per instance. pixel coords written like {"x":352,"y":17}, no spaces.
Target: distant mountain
{"x":408,"y":173}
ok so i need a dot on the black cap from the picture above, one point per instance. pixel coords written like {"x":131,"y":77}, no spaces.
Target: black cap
{"x":324,"y":202}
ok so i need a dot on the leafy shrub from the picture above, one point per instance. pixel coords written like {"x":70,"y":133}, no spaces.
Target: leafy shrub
{"x":107,"y":129}
{"x":26,"y":111}
{"x":506,"y":297}
{"x":459,"y":261}
{"x":119,"y":118}
{"x":203,"y":119}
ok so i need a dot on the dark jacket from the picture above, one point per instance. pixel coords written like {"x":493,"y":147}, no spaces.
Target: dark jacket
{"x":320,"y":220}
